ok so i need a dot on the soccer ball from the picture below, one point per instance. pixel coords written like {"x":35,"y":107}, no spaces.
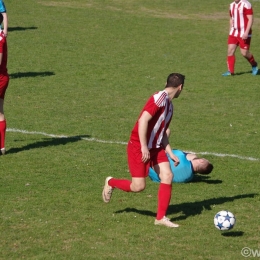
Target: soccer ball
{"x":224,"y":220}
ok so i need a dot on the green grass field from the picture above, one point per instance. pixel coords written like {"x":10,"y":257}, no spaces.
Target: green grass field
{"x":80,"y":73}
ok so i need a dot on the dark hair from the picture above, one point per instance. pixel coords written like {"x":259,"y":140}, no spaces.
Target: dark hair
{"x":204,"y":168}
{"x":175,"y":80}
{"x":1,"y":18}
{"x":208,"y":169}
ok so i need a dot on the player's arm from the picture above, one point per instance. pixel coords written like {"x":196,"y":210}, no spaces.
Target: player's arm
{"x":248,"y":27}
{"x":230,"y":20}
{"x":168,"y":150}
{"x":191,"y":156}
{"x":5,"y":20}
{"x":230,"y":23}
{"x":142,"y":132}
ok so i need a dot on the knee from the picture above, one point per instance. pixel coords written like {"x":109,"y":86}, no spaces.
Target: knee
{"x":137,"y":187}
{"x":245,"y":53}
{"x":166,"y":177}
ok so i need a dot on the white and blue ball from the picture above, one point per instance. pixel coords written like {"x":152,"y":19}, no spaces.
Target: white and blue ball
{"x":224,"y":220}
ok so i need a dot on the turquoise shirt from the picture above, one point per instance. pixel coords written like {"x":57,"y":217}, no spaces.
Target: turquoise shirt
{"x":2,"y":10}
{"x":2,"y":7}
{"x":182,"y":173}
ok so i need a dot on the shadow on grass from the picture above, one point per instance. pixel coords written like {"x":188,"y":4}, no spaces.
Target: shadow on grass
{"x":189,"y":209}
{"x":18,"y":28}
{"x":233,"y":234}
{"x":246,"y":72}
{"x":30,"y":74}
{"x":195,"y":208}
{"x":242,"y":73}
{"x":206,"y":179}
{"x":49,"y":142}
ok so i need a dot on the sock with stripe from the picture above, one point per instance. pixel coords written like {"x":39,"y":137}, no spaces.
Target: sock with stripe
{"x":252,"y":61}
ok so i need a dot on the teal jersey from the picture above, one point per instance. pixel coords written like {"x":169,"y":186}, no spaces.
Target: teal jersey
{"x":182,"y":173}
{"x":2,"y":10}
{"x":2,"y":7}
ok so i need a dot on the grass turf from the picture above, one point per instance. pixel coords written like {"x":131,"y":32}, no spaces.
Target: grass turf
{"x":84,"y":69}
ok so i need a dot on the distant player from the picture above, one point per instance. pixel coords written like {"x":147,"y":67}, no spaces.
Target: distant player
{"x":4,"y":80}
{"x":185,"y":170}
{"x":240,"y":33}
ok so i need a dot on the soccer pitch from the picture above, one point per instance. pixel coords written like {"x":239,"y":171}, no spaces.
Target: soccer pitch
{"x":80,"y":72}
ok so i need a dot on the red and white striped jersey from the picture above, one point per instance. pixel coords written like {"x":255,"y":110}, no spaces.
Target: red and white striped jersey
{"x":161,"y":109}
{"x":3,"y":51}
{"x":239,"y":12}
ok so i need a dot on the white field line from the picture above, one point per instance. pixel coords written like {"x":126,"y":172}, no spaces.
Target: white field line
{"x":124,"y":143}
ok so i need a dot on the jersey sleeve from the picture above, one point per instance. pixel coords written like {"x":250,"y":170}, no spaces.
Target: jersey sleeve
{"x":248,"y":10}
{"x":156,"y":102}
{"x":151,"y":106}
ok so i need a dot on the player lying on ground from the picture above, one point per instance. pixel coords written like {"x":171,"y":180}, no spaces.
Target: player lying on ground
{"x":189,"y":165}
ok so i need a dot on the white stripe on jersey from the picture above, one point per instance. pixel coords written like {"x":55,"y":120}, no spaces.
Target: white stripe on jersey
{"x":161,"y":99}
{"x":156,"y":129}
{"x":239,"y":17}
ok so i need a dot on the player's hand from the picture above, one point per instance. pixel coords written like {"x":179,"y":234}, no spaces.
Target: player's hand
{"x":175,"y":159}
{"x":145,"y":154}
{"x":244,"y":36}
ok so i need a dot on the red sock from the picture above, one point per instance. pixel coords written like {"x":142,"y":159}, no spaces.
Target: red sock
{"x":164,"y":197}
{"x":231,"y":63}
{"x":120,"y":184}
{"x":2,"y":133}
{"x":252,"y":61}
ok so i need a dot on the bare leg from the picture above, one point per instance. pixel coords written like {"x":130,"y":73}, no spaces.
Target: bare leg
{"x":2,"y":117}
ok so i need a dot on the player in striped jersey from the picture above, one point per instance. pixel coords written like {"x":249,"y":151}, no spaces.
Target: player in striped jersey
{"x":240,"y":33}
{"x":146,"y":147}
{"x":4,"y":81}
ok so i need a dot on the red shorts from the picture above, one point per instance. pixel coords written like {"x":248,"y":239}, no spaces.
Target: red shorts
{"x":138,"y":168}
{"x":4,"y":80}
{"x":243,"y":44}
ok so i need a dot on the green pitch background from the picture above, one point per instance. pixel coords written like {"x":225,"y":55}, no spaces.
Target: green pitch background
{"x":83,"y":70}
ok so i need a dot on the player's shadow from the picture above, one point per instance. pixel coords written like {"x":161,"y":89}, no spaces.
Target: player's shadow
{"x":48,"y":142}
{"x":189,"y":209}
{"x":18,"y":28}
{"x":246,"y":72}
{"x":203,"y":178}
{"x":30,"y":74}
